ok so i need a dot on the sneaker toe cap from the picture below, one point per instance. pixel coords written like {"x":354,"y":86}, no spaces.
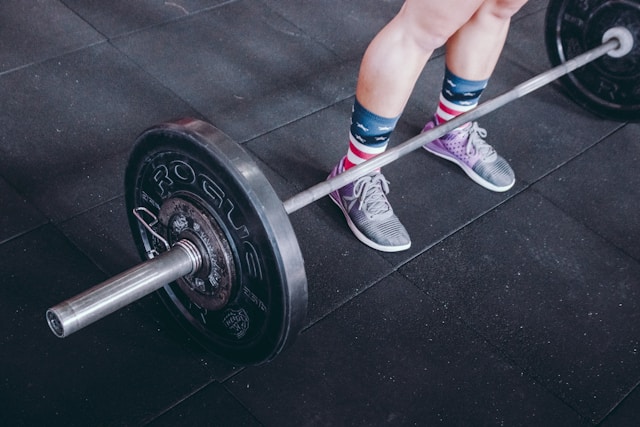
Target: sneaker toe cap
{"x":498,"y":173}
{"x":389,"y":233}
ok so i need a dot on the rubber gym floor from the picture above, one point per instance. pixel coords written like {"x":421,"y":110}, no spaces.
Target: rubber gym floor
{"x":516,"y":308}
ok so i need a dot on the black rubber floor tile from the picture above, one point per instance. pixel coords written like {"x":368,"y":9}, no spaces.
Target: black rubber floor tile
{"x":122,"y":16}
{"x":18,"y":215}
{"x":345,"y":28}
{"x":392,"y":356}
{"x":70,"y":124}
{"x":32,"y":31}
{"x":554,"y":297}
{"x":211,"y":406}
{"x":523,"y":49}
{"x":104,"y":236}
{"x":304,"y":152}
{"x":122,"y":370}
{"x":337,"y":265}
{"x":243,"y":66}
{"x":541,"y":131}
{"x":601,"y":189}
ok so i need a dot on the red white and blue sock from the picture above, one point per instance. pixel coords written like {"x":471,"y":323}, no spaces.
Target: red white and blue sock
{"x":368,"y":136}
{"x":458,"y":96}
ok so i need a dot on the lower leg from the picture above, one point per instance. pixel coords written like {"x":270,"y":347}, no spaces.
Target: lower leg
{"x":397,"y":55}
{"x":472,"y":53}
{"x":391,"y":66}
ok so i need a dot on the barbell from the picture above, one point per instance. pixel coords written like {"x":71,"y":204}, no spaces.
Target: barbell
{"x":217,"y":240}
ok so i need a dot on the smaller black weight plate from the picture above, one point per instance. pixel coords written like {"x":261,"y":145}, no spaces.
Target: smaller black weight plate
{"x":608,"y":87}
{"x":251,"y":301}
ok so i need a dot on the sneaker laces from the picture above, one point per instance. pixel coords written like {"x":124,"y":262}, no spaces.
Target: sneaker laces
{"x":371,"y":193}
{"x":477,"y":144}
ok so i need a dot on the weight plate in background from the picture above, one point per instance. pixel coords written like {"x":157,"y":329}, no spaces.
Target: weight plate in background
{"x":609,"y":87}
{"x":252,"y":301}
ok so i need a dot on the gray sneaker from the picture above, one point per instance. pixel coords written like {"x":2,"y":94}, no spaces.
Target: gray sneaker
{"x":368,"y":212}
{"x":468,"y":149}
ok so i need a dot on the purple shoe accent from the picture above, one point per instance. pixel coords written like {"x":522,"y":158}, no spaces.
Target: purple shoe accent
{"x":467,"y":148}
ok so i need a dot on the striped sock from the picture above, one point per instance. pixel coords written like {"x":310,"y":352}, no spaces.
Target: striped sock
{"x":458,"y":96}
{"x":368,"y":136}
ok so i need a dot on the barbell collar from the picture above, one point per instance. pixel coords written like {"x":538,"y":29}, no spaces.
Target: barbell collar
{"x":321,"y":189}
{"x":98,"y":302}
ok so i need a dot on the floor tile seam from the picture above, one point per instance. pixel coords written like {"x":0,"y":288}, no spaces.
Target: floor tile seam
{"x":254,"y":138}
{"x":586,"y":226}
{"x":168,"y":21}
{"x":84,"y":253}
{"x":302,"y":31}
{"x":58,"y":226}
{"x":87,"y":210}
{"x":174,"y":20}
{"x":89,"y":24}
{"x":466,"y":224}
{"x":24,"y":232}
{"x":181,"y":400}
{"x":326,"y":315}
{"x":528,"y":186}
{"x":63,"y":53}
{"x":110,"y":41}
{"x":350,"y":298}
{"x":244,"y":143}
{"x":157,"y":80}
{"x":45,"y":220}
{"x":53,"y":57}
{"x":568,"y":214}
{"x":241,"y":403}
{"x":619,"y":403}
{"x":538,"y":380}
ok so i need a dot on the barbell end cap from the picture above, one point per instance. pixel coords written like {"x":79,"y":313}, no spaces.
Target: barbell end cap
{"x":625,"y":40}
{"x":55,"y":324}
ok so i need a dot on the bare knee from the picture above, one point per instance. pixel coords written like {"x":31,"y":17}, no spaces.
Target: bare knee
{"x":429,"y":29}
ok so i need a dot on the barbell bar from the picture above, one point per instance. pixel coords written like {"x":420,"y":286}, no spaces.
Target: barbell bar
{"x":617,"y":41}
{"x":219,"y":241}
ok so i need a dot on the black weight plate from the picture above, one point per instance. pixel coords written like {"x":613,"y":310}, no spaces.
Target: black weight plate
{"x":189,"y":165}
{"x":609,"y":87}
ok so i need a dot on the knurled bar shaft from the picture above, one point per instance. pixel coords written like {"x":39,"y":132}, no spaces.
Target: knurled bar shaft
{"x":320,"y":190}
{"x":92,"y":305}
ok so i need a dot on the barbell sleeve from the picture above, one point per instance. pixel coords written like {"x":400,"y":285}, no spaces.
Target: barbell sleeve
{"x":103,"y":299}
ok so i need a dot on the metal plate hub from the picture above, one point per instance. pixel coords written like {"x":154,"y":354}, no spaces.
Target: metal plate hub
{"x":211,"y":286}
